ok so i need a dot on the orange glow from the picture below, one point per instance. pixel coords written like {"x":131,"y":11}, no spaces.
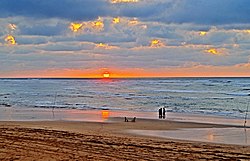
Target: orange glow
{"x":101,"y":45}
{"x":156,"y":43}
{"x":106,"y":46}
{"x":203,"y":33}
{"x":247,"y":31}
{"x":10,"y":39}
{"x":124,"y":1}
{"x":12,"y":27}
{"x":116,"y":20}
{"x":192,"y":71}
{"x":106,"y":75}
{"x":212,"y":51}
{"x":75,"y":27}
{"x":210,"y":137}
{"x":98,"y":24}
{"x":105,"y":114}
{"x":133,"y":22}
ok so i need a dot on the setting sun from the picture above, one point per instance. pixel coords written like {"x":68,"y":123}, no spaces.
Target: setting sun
{"x":106,"y":75}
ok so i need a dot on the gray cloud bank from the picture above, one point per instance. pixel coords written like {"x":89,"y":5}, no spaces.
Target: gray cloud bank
{"x":168,"y":11}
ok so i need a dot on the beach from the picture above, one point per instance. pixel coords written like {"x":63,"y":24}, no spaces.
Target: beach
{"x":135,"y":80}
{"x":84,"y":119}
{"x":81,"y":140}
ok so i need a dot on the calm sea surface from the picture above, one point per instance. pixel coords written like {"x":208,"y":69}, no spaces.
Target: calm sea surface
{"x":209,"y":96}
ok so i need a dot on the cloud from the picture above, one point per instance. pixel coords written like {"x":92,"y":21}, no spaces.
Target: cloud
{"x":66,"y":9}
{"x":153,"y":35}
{"x":212,"y":12}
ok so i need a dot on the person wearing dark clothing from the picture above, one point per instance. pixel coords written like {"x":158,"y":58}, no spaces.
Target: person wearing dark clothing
{"x":163,"y":113}
{"x":133,"y":120}
{"x":160,"y":113}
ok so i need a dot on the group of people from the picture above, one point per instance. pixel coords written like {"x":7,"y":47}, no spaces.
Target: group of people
{"x":162,"y":113}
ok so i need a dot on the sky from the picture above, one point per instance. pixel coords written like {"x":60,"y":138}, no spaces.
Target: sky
{"x":126,"y":38}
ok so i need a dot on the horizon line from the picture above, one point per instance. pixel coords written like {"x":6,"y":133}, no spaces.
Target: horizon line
{"x":124,"y":77}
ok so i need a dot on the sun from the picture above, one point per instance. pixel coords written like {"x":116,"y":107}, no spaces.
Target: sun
{"x":106,"y":75}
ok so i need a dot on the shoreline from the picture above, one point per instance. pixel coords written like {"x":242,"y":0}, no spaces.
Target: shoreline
{"x":102,"y":115}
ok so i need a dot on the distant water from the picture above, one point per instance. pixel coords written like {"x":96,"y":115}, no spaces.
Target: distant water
{"x":209,"y":96}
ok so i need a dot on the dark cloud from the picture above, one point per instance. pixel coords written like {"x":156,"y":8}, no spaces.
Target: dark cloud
{"x":213,"y":12}
{"x":43,"y":30}
{"x":67,"y":9}
{"x":145,"y":9}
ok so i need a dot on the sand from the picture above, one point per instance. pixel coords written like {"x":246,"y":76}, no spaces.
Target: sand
{"x":75,"y":140}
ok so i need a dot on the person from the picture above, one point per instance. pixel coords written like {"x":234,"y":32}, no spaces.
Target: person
{"x":133,"y":120}
{"x":164,"y":113}
{"x":160,"y":113}
{"x":126,"y":120}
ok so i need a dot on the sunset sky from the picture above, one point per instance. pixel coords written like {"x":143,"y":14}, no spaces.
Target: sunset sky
{"x":127,"y":38}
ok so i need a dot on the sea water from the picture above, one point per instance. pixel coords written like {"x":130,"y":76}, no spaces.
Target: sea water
{"x":227,"y":97}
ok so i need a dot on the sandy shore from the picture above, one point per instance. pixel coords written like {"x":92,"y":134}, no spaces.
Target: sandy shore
{"x":69,"y":140}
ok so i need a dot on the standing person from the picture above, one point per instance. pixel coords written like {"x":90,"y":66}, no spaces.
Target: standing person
{"x":164,"y":113}
{"x":160,"y":113}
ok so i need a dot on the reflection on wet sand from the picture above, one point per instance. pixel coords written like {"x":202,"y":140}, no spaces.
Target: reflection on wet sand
{"x":237,"y":136}
{"x":105,"y":115}
{"x":210,"y":135}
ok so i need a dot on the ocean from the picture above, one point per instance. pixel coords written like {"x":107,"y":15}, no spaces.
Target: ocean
{"x":227,"y":97}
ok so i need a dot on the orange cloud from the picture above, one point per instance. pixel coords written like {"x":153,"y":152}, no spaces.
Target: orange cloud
{"x":134,"y":21}
{"x":116,"y":20}
{"x":75,"y":26}
{"x":12,"y":27}
{"x":98,"y":24}
{"x":105,"y":46}
{"x":10,"y":39}
{"x":156,"y":43}
{"x":246,"y":31}
{"x":203,"y":33}
{"x":212,"y":51}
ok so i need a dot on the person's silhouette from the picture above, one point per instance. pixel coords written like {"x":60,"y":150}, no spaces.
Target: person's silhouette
{"x":164,"y":113}
{"x":160,"y":113}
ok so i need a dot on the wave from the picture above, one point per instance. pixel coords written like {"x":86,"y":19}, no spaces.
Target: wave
{"x":238,"y":94}
{"x":220,"y":81}
{"x":4,"y":94}
{"x":5,"y":104}
{"x":209,"y":85}
{"x":180,"y":95}
{"x":221,"y":98}
{"x":183,"y":91}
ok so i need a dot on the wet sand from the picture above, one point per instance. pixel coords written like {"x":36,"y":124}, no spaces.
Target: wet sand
{"x":229,"y":135}
{"x":97,"y":115}
{"x":75,"y":140}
